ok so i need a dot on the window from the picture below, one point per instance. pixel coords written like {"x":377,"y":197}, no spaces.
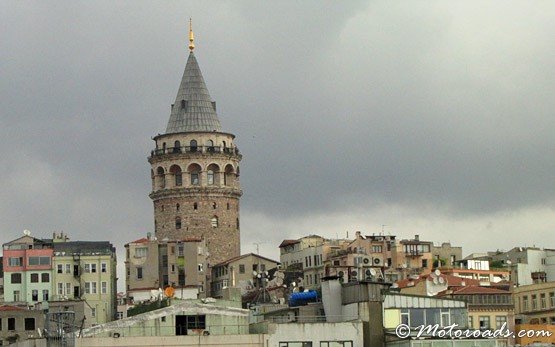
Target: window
{"x":177,"y":207}
{"x":210,"y":177}
{"x":214,"y":222}
{"x":552,"y":299}
{"x":178,"y":223}
{"x":424,"y":262}
{"x":16,"y":278}
{"x":499,"y":321}
{"x":90,"y":288}
{"x":193,"y":145}
{"x":68,"y":289}
{"x":214,"y":205}
{"x":60,"y":289}
{"x":180,"y":250}
{"x":470,"y":322}
{"x":183,"y":105}
{"x":336,"y":344}
{"x":45,"y":295}
{"x":196,"y":322}
{"x":543,"y":301}
{"x":90,"y":268}
{"x":141,"y":252}
{"x":34,"y":295}
{"x":241,"y":268}
{"x":103,"y":267}
{"x":295,"y":344}
{"x":104,"y":288}
{"x":93,"y":311}
{"x":11,"y":323}
{"x":34,"y":278}
{"x":525,"y":303}
{"x":405,"y":316}
{"x":139,"y":273}
{"x":195,"y":206}
{"x":68,"y":268}
{"x":227,"y":205}
{"x":45,"y":277}
{"x":200,"y":267}
{"x":484,"y":322}
{"x":16,"y":295}
{"x":60,"y":268}
{"x":39,"y":260}
{"x":534,"y":302}
{"x":195,"y":178}
{"x":15,"y":261}
{"x":376,"y":249}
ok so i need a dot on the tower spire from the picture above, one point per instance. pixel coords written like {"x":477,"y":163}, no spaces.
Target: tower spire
{"x":191,"y":36}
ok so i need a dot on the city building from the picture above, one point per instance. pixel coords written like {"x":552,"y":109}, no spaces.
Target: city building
{"x":535,"y":303}
{"x":446,"y":254}
{"x":488,"y":308}
{"x":27,"y":270}
{"x":433,"y":284}
{"x":306,"y":257}
{"x":239,"y":272}
{"x":479,"y":270}
{"x":85,"y":271}
{"x":195,"y":171}
{"x":528,"y":265}
{"x":19,"y":324}
{"x":152,"y":264}
{"x":412,"y":257}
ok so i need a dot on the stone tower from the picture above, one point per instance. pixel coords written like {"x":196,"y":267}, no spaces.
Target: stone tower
{"x":195,"y":171}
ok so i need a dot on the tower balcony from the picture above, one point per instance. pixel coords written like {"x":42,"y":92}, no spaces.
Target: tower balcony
{"x":195,"y":149}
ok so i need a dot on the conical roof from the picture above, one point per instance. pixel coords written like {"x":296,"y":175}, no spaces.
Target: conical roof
{"x":193,"y":109}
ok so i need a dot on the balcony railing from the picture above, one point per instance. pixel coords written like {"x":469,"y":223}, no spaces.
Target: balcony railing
{"x":195,"y":149}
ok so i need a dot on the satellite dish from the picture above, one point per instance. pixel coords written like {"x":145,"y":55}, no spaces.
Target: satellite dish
{"x":437,"y":272}
{"x":373,"y":272}
{"x":509,"y":262}
{"x":435,"y":280}
{"x":26,"y":232}
{"x":341,"y":274}
{"x":254,"y":273}
{"x":441,"y":280}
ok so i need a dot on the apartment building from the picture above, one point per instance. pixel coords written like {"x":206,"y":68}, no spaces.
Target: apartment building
{"x":27,"y":263}
{"x":241,"y":272}
{"x":535,"y":303}
{"x":153,"y":264}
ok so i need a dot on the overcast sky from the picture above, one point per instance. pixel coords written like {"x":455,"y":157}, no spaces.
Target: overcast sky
{"x":433,"y":118}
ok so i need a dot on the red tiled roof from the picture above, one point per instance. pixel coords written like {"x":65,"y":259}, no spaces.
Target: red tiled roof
{"x":11,"y":308}
{"x":285,"y":243}
{"x":452,"y":281}
{"x":480,"y":290}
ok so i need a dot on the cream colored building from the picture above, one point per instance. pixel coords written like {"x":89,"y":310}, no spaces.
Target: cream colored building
{"x":153,"y":264}
{"x":535,"y":303}
{"x":86,"y":270}
{"x":238,"y":272}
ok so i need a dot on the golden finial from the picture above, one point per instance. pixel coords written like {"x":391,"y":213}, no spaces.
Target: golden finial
{"x":191,"y":36}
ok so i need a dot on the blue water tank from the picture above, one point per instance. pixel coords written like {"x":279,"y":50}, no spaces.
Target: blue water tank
{"x":302,"y":298}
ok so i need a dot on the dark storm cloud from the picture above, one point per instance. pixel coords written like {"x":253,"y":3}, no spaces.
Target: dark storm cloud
{"x":336,"y":107}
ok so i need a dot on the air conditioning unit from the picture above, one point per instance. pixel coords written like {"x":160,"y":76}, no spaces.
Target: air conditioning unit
{"x":353,"y":276}
{"x":370,"y":274}
{"x":362,"y":261}
{"x":377,"y":262}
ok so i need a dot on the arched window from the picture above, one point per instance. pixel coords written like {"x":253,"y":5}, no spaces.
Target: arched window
{"x":228,"y":175}
{"x":175,"y":170}
{"x":178,"y":223}
{"x":214,"y":205}
{"x":177,"y":147}
{"x":210,"y":177}
{"x":177,"y":207}
{"x":213,"y":175}
{"x":194,"y":172}
{"x":193,"y":145}
{"x":214,"y":222}
{"x":210,"y":146}
{"x":228,"y":205}
{"x":161,"y":177}
{"x":164,"y":148}
{"x":195,"y":206}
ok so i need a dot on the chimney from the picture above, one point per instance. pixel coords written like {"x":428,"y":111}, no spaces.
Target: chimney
{"x":357,"y":234}
{"x":148,"y":235}
{"x":417,"y":237}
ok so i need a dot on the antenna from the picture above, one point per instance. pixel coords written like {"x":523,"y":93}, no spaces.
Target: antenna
{"x":26,"y":232}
